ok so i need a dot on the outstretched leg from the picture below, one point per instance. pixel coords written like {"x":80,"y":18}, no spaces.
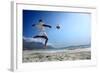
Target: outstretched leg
{"x":44,"y":37}
{"x":46,"y":40}
{"x":37,"y":36}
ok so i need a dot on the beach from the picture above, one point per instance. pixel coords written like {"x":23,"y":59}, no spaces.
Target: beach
{"x":56,"y":55}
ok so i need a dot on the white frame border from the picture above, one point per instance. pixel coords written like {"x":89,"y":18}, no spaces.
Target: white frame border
{"x":16,"y":57}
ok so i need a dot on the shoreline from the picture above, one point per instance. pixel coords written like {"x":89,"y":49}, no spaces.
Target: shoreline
{"x":56,"y":51}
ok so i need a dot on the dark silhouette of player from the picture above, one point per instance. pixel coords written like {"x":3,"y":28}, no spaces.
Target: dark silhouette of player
{"x":42,"y":33}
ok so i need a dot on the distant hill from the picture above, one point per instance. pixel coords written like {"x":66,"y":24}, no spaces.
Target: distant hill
{"x":33,"y":44}
{"x":76,"y":47}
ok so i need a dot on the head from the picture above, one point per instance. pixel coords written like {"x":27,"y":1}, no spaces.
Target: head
{"x":40,"y":20}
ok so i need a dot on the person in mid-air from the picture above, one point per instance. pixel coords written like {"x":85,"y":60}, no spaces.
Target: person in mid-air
{"x":42,"y":33}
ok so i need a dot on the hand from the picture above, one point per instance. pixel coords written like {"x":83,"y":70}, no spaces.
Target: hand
{"x":33,"y":25}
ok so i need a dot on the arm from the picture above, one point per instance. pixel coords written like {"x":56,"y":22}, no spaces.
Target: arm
{"x":46,"y":25}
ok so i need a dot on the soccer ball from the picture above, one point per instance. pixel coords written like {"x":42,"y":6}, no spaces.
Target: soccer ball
{"x":58,"y":26}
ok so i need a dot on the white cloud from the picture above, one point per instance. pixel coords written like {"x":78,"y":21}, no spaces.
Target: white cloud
{"x":29,"y":39}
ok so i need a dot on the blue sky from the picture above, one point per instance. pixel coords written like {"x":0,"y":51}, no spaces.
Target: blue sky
{"x":75,"y":27}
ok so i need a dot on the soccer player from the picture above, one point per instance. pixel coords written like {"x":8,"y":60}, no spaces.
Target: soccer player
{"x":42,"y":33}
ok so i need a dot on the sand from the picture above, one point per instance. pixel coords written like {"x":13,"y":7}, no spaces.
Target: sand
{"x":57,"y":55}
